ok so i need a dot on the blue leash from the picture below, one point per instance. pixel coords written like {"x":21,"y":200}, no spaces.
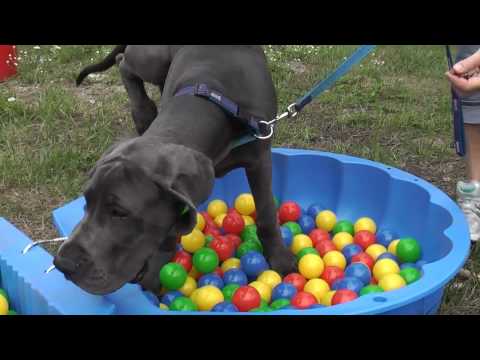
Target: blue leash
{"x":458,"y":128}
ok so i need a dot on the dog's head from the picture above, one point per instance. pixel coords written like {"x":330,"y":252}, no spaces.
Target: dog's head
{"x":140,"y":197}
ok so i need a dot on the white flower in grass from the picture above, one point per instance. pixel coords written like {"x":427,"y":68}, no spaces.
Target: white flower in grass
{"x":56,"y":47}
{"x":11,"y":99}
{"x":36,"y":47}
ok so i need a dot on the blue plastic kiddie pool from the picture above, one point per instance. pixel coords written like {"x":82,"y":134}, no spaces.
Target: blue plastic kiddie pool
{"x":350,"y":186}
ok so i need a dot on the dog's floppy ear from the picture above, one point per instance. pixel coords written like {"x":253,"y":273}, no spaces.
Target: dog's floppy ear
{"x":186,"y":174}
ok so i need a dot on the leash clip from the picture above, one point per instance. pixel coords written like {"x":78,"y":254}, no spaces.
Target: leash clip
{"x":290,"y":113}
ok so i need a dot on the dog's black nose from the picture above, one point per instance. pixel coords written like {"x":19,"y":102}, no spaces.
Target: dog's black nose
{"x":65,"y":265}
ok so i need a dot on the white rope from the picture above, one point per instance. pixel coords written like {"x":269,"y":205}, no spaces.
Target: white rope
{"x":38,"y":242}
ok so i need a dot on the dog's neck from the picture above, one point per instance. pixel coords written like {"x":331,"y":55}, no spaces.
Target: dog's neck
{"x":195,"y":123}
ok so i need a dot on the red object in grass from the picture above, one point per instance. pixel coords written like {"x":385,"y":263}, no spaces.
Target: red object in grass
{"x":318,"y":235}
{"x":303,"y":300}
{"x":289,"y":211}
{"x":8,"y":61}
{"x":296,"y":280}
{"x":363,"y":258}
{"x":343,"y":295}
{"x":331,"y":274}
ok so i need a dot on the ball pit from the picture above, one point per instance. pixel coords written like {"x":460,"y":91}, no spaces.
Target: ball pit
{"x":375,"y":193}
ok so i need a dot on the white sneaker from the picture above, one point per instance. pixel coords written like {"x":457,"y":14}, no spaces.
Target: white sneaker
{"x":468,"y":198}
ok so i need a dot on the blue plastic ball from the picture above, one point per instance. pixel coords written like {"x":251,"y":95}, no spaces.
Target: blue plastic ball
{"x":170,"y":296}
{"x":225,"y":306}
{"x":179,"y":247}
{"x":287,"y":236}
{"x":387,"y":255}
{"x":351,"y":283}
{"x":235,"y":276}
{"x":314,"y":209}
{"x":211,"y":279}
{"x":360,"y":271}
{"x":283,"y":291}
{"x":307,"y":223}
{"x":253,"y":263}
{"x":385,"y":237}
{"x":350,"y":251}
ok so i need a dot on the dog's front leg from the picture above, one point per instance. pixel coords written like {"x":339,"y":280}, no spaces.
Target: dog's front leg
{"x":259,"y":176}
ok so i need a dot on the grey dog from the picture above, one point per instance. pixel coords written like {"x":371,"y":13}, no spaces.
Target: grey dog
{"x":138,"y":191}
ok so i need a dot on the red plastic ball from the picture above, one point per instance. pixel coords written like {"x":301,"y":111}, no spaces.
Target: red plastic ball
{"x":296,"y":280}
{"x":363,"y":258}
{"x":235,"y":239}
{"x":343,"y":295}
{"x":246,"y":298}
{"x":303,"y":300}
{"x":212,"y":230}
{"x":331,"y":274}
{"x":289,"y":211}
{"x":233,"y":211}
{"x":223,"y":247}
{"x":183,"y":258}
{"x":364,"y":239}
{"x":208,"y":219}
{"x":325,"y":246}
{"x":233,"y":223}
{"x":318,"y":235}
{"x":373,"y":281}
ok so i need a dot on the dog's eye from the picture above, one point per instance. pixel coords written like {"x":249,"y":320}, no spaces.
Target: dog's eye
{"x":118,"y":213}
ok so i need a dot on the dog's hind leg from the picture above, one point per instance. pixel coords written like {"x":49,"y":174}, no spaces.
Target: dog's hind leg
{"x":144,"y":110}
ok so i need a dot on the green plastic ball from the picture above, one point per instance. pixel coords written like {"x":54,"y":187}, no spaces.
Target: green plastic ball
{"x":183,"y":303}
{"x":249,"y":230}
{"x":249,"y":246}
{"x":279,"y":304}
{"x":205,"y":260}
{"x":294,"y":227}
{"x":173,"y":276}
{"x":370,"y":289}
{"x":229,"y":290}
{"x":343,"y":226}
{"x":305,"y":251}
{"x":410,"y":275}
{"x":251,"y":237}
{"x":408,"y":250}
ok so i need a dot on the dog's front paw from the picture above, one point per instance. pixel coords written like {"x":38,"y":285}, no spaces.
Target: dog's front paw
{"x":282,"y":261}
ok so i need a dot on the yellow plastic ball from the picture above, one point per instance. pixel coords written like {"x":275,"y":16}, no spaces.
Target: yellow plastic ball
{"x":342,"y":239}
{"x":219,"y":220}
{"x":327,"y":298}
{"x":299,"y":242}
{"x":245,"y":204}
{"x":231,"y":263}
{"x":365,"y":223}
{"x":375,"y":250}
{"x":317,"y":287}
{"x":335,"y":258}
{"x":392,"y":247}
{"x":384,"y":267}
{"x":163,"y":306}
{"x":248,"y":220}
{"x":270,"y":278}
{"x":189,"y":286}
{"x":194,"y":273}
{"x":3,"y":305}
{"x":193,"y":241}
{"x":200,"y":222}
{"x":391,"y":282}
{"x":263,"y":289}
{"x":311,"y":266}
{"x":207,"y":297}
{"x":326,"y":220}
{"x":217,"y":207}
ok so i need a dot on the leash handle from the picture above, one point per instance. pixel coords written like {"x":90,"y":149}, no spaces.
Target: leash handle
{"x":457,"y":113}
{"x":323,"y":85}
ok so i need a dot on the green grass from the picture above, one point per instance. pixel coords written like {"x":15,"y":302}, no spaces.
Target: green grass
{"x":393,"y":108}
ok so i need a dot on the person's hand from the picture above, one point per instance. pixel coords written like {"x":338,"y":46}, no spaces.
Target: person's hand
{"x":465,"y":75}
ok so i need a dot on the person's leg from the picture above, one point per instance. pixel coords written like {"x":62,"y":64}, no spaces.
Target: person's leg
{"x":468,"y":193}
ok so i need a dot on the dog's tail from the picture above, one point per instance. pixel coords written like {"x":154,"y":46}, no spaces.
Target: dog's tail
{"x":107,"y":63}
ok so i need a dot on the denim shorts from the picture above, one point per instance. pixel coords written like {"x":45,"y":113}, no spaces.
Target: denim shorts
{"x":470,"y":103}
